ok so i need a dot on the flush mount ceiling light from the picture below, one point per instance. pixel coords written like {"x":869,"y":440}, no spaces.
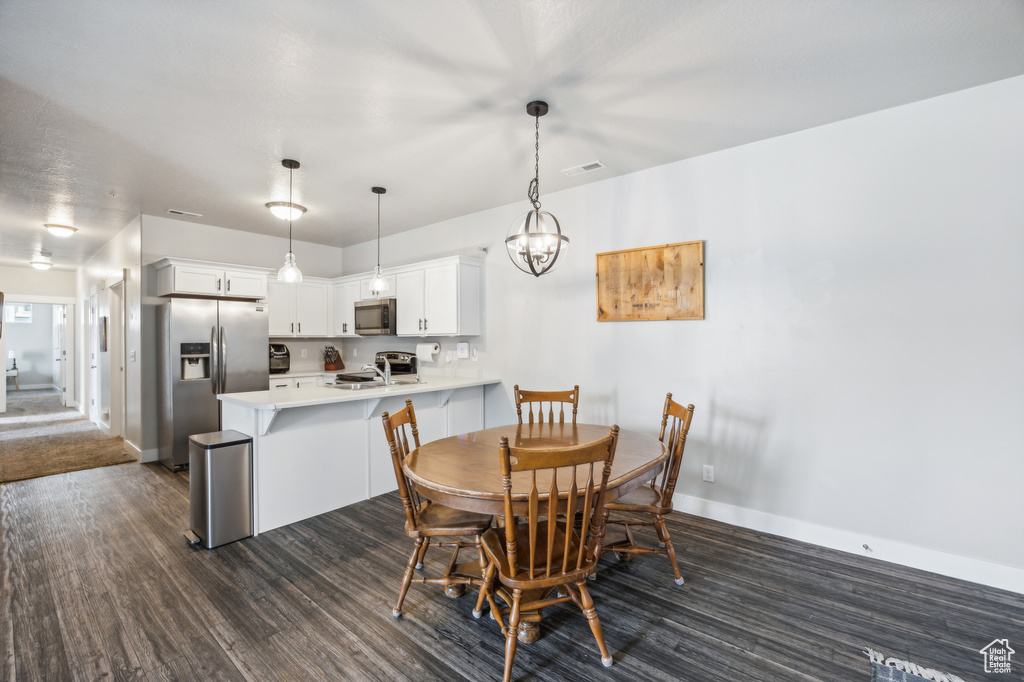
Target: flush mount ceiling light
{"x":535,"y":241}
{"x":60,"y":230}
{"x":289,"y":272}
{"x":378,"y":284}
{"x":41,"y":262}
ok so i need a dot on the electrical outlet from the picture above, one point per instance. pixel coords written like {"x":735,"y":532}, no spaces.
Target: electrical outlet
{"x":304,"y":352}
{"x":447,"y":356}
{"x":355,"y":352}
{"x":475,"y":356}
{"x":709,"y":473}
{"x":462,"y":350}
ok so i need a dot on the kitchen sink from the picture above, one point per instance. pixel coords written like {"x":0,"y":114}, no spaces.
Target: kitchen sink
{"x":357,"y":386}
{"x":360,"y":385}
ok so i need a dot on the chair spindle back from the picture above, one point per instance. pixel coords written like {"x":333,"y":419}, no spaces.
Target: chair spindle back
{"x":395,"y":429}
{"x":545,"y":402}
{"x":550,"y":517}
{"x":675,"y":424}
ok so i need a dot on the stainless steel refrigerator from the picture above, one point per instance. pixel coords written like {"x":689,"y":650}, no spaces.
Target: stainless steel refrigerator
{"x":205,"y":347}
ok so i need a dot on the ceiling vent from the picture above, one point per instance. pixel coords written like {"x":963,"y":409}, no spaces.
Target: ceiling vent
{"x":585,"y":168}
{"x":174,"y":211}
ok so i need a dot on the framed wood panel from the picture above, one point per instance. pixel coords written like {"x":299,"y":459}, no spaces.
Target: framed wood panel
{"x":651,"y":283}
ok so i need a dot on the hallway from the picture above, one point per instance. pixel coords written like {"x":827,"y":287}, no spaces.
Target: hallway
{"x":39,"y":437}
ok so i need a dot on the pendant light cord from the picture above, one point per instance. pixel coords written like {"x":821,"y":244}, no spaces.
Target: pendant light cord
{"x":378,"y":233}
{"x":290,"y":209}
{"x":533,"y":192}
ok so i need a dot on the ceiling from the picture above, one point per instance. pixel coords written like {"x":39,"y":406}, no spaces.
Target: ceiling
{"x":112,"y":109}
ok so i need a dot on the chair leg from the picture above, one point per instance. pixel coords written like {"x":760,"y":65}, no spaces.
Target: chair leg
{"x":659,"y":525}
{"x":513,"y":635}
{"x":587,"y":604}
{"x":407,"y":579}
{"x":485,"y":567}
{"x":423,"y":551}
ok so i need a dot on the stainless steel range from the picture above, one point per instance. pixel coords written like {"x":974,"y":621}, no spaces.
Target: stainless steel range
{"x":397,"y":366}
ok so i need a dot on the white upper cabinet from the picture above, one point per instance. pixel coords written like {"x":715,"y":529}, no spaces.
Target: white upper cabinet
{"x":298,"y":309}
{"x":346,"y":293}
{"x":440,"y":298}
{"x":176,"y":277}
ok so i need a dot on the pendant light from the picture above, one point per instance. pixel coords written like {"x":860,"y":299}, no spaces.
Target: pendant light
{"x":378,"y":284}
{"x":289,"y":272}
{"x":535,"y":241}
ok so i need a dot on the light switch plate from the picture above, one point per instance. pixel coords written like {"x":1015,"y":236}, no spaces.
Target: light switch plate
{"x":463,"y":350}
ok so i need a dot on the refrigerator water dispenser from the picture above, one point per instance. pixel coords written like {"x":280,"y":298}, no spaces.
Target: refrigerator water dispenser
{"x":195,"y":361}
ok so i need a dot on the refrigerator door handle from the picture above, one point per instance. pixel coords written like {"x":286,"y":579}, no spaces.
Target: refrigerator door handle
{"x":223,"y":363}
{"x":214,"y":368}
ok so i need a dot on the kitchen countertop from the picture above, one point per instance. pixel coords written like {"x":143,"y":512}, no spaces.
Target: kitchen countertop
{"x":283,"y":398}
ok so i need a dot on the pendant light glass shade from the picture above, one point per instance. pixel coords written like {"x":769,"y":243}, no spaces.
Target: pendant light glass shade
{"x":40,"y":263}
{"x":378,"y":284}
{"x":289,"y":272}
{"x":535,"y":241}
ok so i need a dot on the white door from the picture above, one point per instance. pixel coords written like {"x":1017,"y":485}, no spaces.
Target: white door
{"x":92,"y":356}
{"x":409,"y":299}
{"x":116,"y":355}
{"x":311,"y":309}
{"x":441,"y":300}
{"x":280,"y":299}
{"x":59,"y":370}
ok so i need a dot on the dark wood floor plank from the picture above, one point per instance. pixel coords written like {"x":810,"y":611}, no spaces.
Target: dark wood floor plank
{"x":96,"y":581}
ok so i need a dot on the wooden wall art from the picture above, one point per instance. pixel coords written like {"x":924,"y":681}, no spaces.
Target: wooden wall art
{"x":651,"y":283}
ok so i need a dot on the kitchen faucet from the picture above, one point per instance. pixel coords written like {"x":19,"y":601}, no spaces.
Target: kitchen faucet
{"x":386,"y":374}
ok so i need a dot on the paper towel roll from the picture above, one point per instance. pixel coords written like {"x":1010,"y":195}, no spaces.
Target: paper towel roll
{"x":427,"y":352}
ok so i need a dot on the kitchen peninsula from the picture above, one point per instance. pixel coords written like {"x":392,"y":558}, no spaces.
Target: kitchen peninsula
{"x":320,"y":448}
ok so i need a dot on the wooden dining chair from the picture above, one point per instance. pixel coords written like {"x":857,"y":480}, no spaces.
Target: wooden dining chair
{"x":543,"y":560}
{"x":546,"y":400}
{"x":656,"y":498}
{"x":426,"y":520}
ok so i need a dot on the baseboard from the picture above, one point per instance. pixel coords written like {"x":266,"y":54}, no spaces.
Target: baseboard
{"x":133,"y":449}
{"x":29,"y":387}
{"x":951,"y":565}
{"x":149,"y":455}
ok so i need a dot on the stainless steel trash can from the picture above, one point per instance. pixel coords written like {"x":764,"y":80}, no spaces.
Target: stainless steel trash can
{"x":220,"y":487}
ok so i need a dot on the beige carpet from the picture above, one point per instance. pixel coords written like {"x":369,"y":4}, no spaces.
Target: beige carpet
{"x":39,"y":437}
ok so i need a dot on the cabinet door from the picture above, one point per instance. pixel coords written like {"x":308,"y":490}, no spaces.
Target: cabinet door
{"x":190,"y":279}
{"x":245,"y":284}
{"x":281,"y":300}
{"x":311,"y":309}
{"x":441,"y":299}
{"x":345,"y":296}
{"x":409,"y":299}
{"x":305,"y":382}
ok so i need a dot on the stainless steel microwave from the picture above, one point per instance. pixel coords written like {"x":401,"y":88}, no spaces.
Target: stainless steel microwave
{"x":376,"y":317}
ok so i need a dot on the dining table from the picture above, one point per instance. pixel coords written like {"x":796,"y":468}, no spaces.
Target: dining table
{"x":462,"y":472}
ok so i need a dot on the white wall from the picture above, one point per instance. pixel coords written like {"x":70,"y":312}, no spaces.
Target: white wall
{"x":33,"y":343}
{"x":31,"y":282}
{"x":118,"y":260}
{"x":859,"y":372}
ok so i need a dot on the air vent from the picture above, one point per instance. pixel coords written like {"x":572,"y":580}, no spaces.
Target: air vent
{"x":174,"y":211}
{"x":585,"y":168}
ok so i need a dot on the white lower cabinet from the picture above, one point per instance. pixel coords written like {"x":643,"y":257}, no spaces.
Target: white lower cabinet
{"x":281,"y":382}
{"x":295,"y":382}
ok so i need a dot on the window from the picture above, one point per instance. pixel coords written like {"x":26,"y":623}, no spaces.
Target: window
{"x":18,"y":312}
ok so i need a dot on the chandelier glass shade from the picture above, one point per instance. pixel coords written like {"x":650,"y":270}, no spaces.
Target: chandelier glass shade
{"x":535,"y":242}
{"x":286,"y":210}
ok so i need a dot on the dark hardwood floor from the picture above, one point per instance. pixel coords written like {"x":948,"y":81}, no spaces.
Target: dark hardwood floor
{"x":97,"y":582}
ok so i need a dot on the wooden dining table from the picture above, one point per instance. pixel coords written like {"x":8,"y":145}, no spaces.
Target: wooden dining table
{"x":462,"y":471}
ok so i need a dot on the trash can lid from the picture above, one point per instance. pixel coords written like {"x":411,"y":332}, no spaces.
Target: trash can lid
{"x":219,"y":439}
